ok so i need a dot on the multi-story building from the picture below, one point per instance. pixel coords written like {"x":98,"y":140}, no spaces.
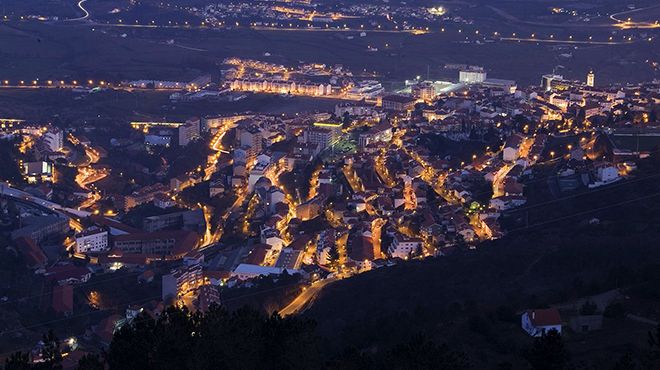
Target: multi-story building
{"x":144,"y":195}
{"x":39,"y":228}
{"x":381,"y":132}
{"x":472,"y":75}
{"x":53,"y":139}
{"x":92,"y":240}
{"x":398,"y":103}
{"x":192,"y":220}
{"x":320,"y":136}
{"x":250,"y":137}
{"x":166,"y":244}
{"x":403,"y":247}
{"x":183,"y":279}
{"x":189,"y":131}
{"x":591,"y":79}
{"x":424,"y":90}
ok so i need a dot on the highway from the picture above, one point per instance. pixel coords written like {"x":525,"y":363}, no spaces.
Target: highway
{"x":306,"y":296}
{"x":628,"y":23}
{"x":557,"y":41}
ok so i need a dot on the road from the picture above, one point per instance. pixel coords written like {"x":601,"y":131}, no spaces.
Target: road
{"x":307,"y":296}
{"x":82,"y":8}
{"x":627,"y":23}
{"x":557,"y":41}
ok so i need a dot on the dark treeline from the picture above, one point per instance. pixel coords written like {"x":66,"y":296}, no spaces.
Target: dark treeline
{"x":247,"y":339}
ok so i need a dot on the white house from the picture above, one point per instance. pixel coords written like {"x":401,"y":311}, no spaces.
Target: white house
{"x":246,"y":271}
{"x":512,"y":147}
{"x":402,"y":246}
{"x":93,"y":239}
{"x":541,"y":321}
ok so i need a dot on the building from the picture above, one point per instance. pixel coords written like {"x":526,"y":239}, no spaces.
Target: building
{"x":189,"y":131}
{"x":38,"y":171}
{"x":53,"y":139}
{"x":424,"y":90}
{"x":403,"y":247}
{"x":192,"y":220}
{"x":246,"y":271}
{"x":398,"y":103}
{"x":381,"y":132}
{"x":552,"y":82}
{"x":591,"y":79}
{"x":472,"y":75}
{"x":319,"y":136}
{"x":512,"y":148}
{"x":249,"y":136}
{"x":144,"y":195}
{"x":183,"y":279}
{"x":163,"y":201}
{"x":40,"y":228}
{"x":68,"y":274}
{"x":167,"y":244}
{"x":290,"y":259}
{"x":539,"y":322}
{"x":92,"y":240}
{"x":365,"y":90}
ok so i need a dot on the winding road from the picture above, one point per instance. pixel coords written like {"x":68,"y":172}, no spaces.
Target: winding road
{"x":82,"y":8}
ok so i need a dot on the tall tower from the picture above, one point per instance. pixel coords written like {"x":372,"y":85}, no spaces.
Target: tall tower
{"x":591,"y":78}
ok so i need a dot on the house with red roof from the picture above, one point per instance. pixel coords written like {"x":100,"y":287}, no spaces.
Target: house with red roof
{"x":540,"y":321}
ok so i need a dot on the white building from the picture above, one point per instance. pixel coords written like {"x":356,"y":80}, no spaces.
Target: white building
{"x":539,"y":322}
{"x":53,"y":139}
{"x":591,"y":79}
{"x":189,"y":131}
{"x":472,"y":76}
{"x":512,"y":147}
{"x":93,"y":239}
{"x":246,"y":271}
{"x":403,"y":247}
{"x":607,"y":173}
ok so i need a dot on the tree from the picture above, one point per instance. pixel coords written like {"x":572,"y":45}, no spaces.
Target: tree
{"x":333,"y":255}
{"x":17,"y":361}
{"x":547,"y":352}
{"x":51,"y":351}
{"x":90,"y":362}
{"x":652,"y":360}
{"x":626,"y":362}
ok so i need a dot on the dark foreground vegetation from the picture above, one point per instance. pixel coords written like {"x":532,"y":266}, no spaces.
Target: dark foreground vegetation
{"x":246,"y":339}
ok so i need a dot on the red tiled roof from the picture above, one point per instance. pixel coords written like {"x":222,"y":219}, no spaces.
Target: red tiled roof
{"x":63,"y":272}
{"x":33,"y":254}
{"x":258,"y":254}
{"x":100,"y":220}
{"x":544,"y":317}
{"x":63,"y":298}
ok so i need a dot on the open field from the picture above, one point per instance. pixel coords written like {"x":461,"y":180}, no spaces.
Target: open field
{"x":54,"y":51}
{"x":121,"y":106}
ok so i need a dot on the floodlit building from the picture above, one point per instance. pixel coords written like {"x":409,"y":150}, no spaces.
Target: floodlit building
{"x":53,"y":139}
{"x":591,"y":79}
{"x":92,"y":240}
{"x":472,"y":75}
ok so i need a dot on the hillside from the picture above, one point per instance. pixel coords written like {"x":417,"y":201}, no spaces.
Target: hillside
{"x":471,"y":299}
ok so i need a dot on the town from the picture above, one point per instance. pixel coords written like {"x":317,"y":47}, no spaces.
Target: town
{"x":384,"y":177}
{"x":329,"y":184}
